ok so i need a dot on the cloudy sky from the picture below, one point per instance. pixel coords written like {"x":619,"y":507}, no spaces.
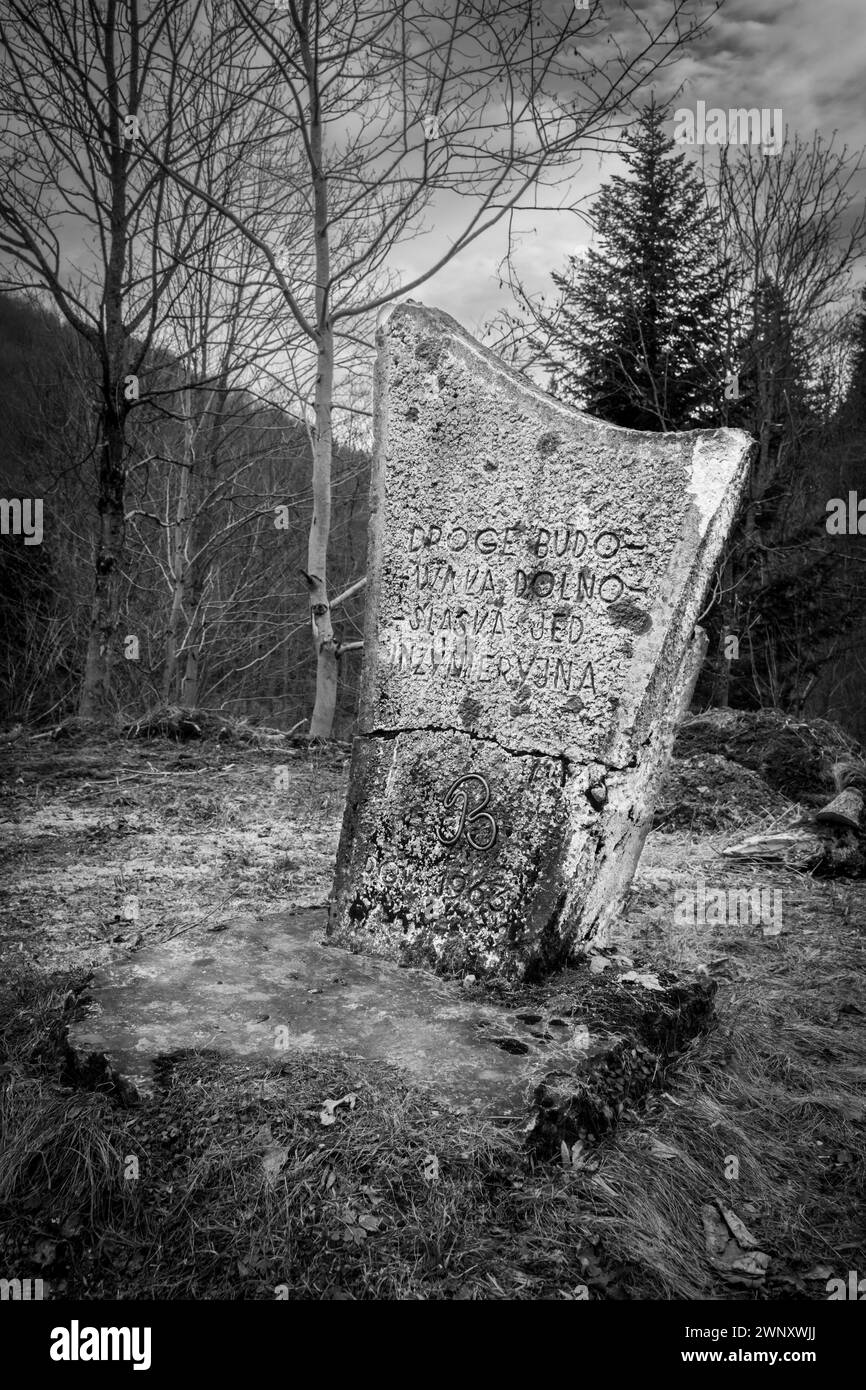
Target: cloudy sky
{"x":807,"y":57}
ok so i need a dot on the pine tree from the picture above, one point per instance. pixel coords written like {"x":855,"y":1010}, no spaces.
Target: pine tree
{"x":853,"y":411}
{"x":639,"y":334}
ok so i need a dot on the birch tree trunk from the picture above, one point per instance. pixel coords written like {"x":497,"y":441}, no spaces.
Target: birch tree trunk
{"x":179,"y":557}
{"x":324,"y":709}
{"x":324,"y":643}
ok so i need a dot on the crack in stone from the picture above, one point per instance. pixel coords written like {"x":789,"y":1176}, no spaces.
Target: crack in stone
{"x":567,"y":762}
{"x":571,"y":830}
{"x":468,"y":733}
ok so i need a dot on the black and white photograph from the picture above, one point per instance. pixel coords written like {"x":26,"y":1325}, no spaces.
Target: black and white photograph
{"x":432,"y":674}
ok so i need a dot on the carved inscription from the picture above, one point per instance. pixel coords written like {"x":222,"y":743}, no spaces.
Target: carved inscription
{"x":476,"y":888}
{"x":476,"y":824}
{"x":468,"y":616}
{"x":467,"y":824}
{"x":534,"y":581}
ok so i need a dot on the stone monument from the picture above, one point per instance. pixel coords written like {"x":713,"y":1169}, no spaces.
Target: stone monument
{"x":535,"y":577}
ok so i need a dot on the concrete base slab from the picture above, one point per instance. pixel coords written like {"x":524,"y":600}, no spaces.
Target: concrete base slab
{"x":561,"y":1065}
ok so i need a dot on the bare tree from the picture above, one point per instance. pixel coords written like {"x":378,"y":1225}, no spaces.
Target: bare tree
{"x":85,"y":220}
{"x":214,"y":336}
{"x":795,"y":233}
{"x":794,"y":227}
{"x":389,"y":107}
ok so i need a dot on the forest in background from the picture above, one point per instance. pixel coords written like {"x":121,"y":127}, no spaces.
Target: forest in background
{"x":229,"y":633}
{"x":214,"y":613}
{"x":719,"y":293}
{"x":172,"y":405}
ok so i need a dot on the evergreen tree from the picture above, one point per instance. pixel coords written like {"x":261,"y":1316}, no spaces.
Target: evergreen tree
{"x":639,"y":334}
{"x":853,"y":412}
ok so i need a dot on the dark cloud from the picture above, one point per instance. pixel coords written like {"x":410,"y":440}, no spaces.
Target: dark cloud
{"x":806,"y":56}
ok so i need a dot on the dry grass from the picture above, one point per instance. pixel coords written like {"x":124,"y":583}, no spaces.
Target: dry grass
{"x":242,"y":1192}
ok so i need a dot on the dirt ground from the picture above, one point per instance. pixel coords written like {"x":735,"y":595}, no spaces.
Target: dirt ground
{"x":121,"y":845}
{"x":110,"y":846}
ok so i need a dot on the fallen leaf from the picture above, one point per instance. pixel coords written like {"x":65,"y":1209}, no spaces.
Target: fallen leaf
{"x":820,"y":1272}
{"x":731,"y":1248}
{"x":660,"y":1150}
{"x":644,"y":978}
{"x":44,"y":1251}
{"x":737,"y":1229}
{"x":272,"y":1161}
{"x":327,"y":1116}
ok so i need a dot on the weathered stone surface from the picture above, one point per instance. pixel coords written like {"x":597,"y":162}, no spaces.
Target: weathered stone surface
{"x":558,"y":1065}
{"x":534,"y":581}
